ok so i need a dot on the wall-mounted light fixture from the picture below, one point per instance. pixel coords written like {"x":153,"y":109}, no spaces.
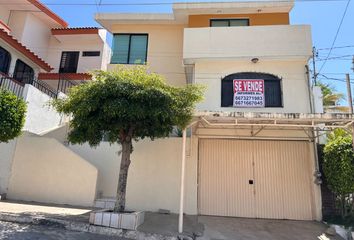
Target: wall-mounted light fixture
{"x":255,"y":60}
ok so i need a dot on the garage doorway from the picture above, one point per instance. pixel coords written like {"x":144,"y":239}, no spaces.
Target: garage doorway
{"x":255,"y":179}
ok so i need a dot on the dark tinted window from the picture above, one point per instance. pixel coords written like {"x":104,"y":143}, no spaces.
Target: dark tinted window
{"x":272,"y":88}
{"x":23,"y":72}
{"x":129,"y":49}
{"x":68,"y":62}
{"x":229,"y":22}
{"x":5,"y":59}
{"x":91,"y":53}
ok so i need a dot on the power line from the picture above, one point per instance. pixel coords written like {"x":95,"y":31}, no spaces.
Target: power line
{"x":348,"y":46}
{"x":337,"y":33}
{"x":160,"y":3}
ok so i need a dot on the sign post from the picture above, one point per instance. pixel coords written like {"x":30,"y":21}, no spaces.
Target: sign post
{"x":248,"y":93}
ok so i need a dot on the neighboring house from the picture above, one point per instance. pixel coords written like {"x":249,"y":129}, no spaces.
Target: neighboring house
{"x":36,"y":44}
{"x":40,"y":58}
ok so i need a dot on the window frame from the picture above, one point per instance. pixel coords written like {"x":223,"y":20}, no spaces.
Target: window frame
{"x":77,"y":62}
{"x":16,"y":70}
{"x":229,"y":21}
{"x":95,"y":53}
{"x":253,"y":75}
{"x":9,"y":59}
{"x":130,"y":38}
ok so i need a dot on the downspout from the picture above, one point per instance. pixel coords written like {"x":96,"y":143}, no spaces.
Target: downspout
{"x":309,"y":89}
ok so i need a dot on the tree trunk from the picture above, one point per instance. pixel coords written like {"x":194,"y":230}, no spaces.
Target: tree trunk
{"x":123,"y":175}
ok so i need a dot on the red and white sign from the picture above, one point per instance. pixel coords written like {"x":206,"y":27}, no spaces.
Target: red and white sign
{"x":248,"y":93}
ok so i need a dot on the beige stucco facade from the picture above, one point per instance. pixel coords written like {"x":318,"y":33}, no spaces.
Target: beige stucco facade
{"x":295,"y":92}
{"x":154,"y":179}
{"x":44,"y":170}
{"x":165,"y":49}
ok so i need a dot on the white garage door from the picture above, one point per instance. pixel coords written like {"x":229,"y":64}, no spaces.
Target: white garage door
{"x":256,"y":179}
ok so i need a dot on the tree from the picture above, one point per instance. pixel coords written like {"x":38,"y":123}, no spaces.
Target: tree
{"x":331,"y":97}
{"x":338,"y":167}
{"x":12,"y":115}
{"x":125,"y":105}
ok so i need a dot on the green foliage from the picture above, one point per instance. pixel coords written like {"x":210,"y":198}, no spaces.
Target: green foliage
{"x":339,"y":164}
{"x":12,"y":115}
{"x":129,"y":102}
{"x":330,"y":96}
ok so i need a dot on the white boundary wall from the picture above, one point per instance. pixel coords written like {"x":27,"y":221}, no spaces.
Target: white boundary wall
{"x":40,"y":116}
{"x":7,"y":151}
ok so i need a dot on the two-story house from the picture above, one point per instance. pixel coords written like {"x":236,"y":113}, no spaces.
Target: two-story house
{"x":251,"y":147}
{"x":251,"y":151}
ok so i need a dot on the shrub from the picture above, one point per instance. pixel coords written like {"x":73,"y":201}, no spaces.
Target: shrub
{"x":12,"y":115}
{"x":338,"y":167}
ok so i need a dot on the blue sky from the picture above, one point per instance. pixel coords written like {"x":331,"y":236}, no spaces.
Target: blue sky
{"x":323,"y":16}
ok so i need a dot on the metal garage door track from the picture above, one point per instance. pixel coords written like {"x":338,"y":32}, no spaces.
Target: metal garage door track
{"x":227,"y":228}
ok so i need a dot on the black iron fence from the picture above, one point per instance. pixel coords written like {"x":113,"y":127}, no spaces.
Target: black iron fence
{"x":65,"y":84}
{"x":11,"y":85}
{"x":16,"y":86}
{"x":44,"y":87}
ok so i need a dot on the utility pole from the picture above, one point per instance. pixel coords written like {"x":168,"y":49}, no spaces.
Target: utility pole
{"x":350,"y":103}
{"x":314,"y":55}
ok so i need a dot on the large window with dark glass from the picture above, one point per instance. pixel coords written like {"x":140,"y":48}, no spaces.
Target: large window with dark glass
{"x":69,"y":61}
{"x":5,"y":60}
{"x":129,"y":49}
{"x":23,"y":72}
{"x":272,"y":88}
{"x":238,"y":22}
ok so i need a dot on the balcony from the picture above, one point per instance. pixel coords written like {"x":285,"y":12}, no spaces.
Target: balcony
{"x":237,"y":43}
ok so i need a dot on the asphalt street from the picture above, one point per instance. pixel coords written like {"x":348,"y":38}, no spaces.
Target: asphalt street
{"x":15,"y":231}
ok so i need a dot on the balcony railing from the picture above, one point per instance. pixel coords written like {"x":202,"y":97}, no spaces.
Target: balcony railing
{"x":65,"y":84}
{"x":11,"y":85}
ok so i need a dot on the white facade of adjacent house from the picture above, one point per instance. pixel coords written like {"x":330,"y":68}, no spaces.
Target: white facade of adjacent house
{"x":32,"y":42}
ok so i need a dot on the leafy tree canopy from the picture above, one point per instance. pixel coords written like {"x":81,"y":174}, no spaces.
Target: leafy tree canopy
{"x":12,"y":115}
{"x":330,"y":96}
{"x":127,"y":102}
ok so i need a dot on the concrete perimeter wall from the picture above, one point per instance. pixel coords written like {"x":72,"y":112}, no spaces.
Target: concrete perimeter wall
{"x":154,"y":174}
{"x":7,"y":151}
{"x":40,"y":116}
{"x":44,"y":170}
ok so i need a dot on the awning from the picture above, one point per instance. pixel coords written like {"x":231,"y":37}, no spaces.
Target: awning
{"x":291,"y":120}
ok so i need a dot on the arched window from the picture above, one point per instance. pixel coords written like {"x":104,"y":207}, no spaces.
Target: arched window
{"x":5,"y":60}
{"x":272,"y":88}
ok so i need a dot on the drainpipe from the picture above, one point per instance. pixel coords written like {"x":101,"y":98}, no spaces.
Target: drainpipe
{"x":309,"y":89}
{"x":181,"y":201}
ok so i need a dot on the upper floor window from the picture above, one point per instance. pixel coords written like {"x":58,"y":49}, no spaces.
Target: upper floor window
{"x":129,"y":48}
{"x":5,"y":59}
{"x":69,"y":61}
{"x":91,"y":53}
{"x":270,"y":91}
{"x":23,"y":72}
{"x":229,"y":22}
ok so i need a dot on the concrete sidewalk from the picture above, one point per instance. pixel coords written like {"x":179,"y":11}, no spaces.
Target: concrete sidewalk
{"x":156,"y":226}
{"x":164,"y":226}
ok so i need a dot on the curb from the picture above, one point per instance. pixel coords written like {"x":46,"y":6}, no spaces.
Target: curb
{"x":84,"y":227}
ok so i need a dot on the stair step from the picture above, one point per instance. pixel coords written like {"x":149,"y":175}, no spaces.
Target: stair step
{"x":105,"y":203}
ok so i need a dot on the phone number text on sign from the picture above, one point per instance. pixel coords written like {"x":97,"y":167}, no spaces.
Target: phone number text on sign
{"x":248,"y":93}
